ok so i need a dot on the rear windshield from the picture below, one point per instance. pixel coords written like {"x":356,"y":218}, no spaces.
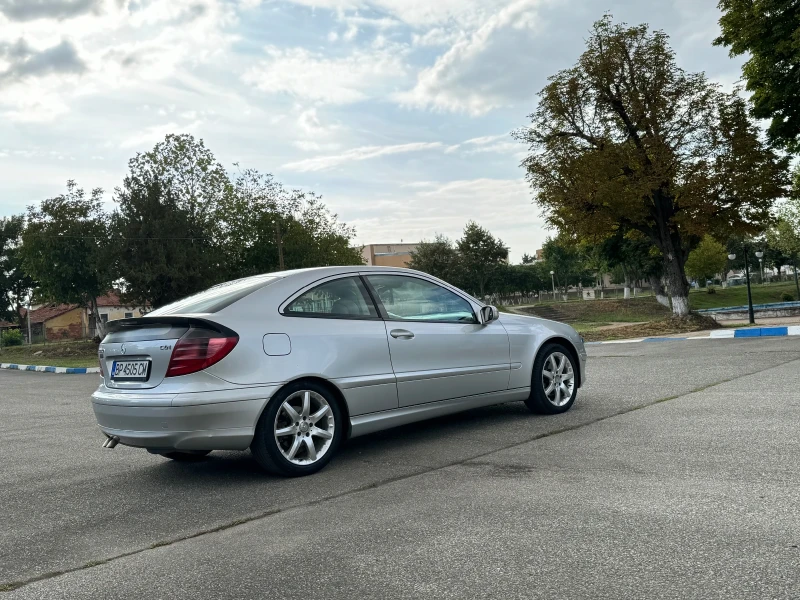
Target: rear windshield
{"x":216,"y":298}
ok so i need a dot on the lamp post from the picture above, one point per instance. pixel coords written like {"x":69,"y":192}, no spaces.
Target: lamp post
{"x":553,"y":279}
{"x":750,"y":313}
{"x":760,"y":257}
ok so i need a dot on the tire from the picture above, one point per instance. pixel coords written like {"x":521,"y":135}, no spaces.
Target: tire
{"x":552,"y":401}
{"x":187,"y":456}
{"x":297,"y":430}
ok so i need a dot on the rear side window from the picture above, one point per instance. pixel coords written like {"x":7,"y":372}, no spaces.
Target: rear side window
{"x":216,"y":298}
{"x":344,"y":298}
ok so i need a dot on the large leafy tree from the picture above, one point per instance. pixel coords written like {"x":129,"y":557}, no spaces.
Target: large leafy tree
{"x":632,"y":255}
{"x":270,"y":227}
{"x":65,"y":247}
{"x":482,"y":256}
{"x":157,"y":257}
{"x":626,"y":139}
{"x":768,"y":32}
{"x":439,"y":258}
{"x":706,"y":260}
{"x":168,"y":226}
{"x":15,"y":284}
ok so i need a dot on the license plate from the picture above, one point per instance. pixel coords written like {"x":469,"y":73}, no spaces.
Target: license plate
{"x":130,"y":370}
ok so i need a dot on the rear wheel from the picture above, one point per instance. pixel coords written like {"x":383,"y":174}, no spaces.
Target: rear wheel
{"x":299,"y":431}
{"x":186,"y":456}
{"x":554,"y":385}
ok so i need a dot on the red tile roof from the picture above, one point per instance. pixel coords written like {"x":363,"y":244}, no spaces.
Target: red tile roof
{"x":50,"y":311}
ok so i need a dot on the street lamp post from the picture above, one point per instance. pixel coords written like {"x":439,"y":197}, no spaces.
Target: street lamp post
{"x":553,"y":278}
{"x":750,"y":313}
{"x":760,"y":257}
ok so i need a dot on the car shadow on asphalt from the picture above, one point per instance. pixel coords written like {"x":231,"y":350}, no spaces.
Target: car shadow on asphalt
{"x":425,"y":444}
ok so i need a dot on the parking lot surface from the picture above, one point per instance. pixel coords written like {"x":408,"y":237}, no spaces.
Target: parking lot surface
{"x":676,"y":475}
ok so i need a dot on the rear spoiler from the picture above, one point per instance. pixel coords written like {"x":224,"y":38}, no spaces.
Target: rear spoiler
{"x":118,"y":325}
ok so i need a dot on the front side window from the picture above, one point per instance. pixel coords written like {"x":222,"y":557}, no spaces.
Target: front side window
{"x":412,"y":299}
{"x":341,"y":298}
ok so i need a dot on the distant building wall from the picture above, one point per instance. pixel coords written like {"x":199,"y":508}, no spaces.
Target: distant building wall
{"x":388,"y":255}
{"x":69,"y":325}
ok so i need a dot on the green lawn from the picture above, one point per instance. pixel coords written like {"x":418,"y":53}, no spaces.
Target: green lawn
{"x":62,"y":354}
{"x":737,"y":296}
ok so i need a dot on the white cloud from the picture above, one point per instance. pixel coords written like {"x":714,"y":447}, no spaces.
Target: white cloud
{"x":418,"y":13}
{"x":485,"y":70}
{"x":438,"y":36}
{"x":318,"y":78}
{"x":502,"y":205}
{"x":321,"y":163}
{"x":155,"y":133}
{"x":112,"y":45}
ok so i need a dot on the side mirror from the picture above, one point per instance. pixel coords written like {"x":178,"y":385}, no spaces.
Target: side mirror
{"x":489,"y":314}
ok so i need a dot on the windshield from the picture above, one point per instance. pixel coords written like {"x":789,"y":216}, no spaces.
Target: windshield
{"x":216,"y":298}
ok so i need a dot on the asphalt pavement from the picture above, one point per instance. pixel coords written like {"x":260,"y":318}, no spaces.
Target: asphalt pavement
{"x":676,"y":475}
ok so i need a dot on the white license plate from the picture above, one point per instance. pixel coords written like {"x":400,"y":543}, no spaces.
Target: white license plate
{"x":130,"y":370}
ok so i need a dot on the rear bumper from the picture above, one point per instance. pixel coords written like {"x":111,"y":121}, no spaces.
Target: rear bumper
{"x":164,"y":423}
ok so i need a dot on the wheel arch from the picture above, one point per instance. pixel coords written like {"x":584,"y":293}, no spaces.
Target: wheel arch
{"x":573,"y":352}
{"x":328,"y":385}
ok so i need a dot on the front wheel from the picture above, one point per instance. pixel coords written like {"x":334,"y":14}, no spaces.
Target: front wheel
{"x":553,"y":386}
{"x":299,"y":431}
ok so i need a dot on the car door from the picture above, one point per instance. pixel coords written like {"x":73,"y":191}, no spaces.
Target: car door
{"x":438,"y":348}
{"x":336,"y":333}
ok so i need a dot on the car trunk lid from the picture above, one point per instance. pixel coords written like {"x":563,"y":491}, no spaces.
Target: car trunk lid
{"x":136,"y":353}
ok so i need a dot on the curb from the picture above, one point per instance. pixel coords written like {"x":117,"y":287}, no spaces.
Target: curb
{"x":749,"y":332}
{"x":43,"y":369}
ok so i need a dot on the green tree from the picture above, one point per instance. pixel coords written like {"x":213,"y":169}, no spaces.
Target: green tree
{"x":631,"y":255}
{"x":564,"y":258}
{"x":157,"y":258}
{"x":15,"y":284}
{"x":271,"y":227}
{"x":785,"y":235}
{"x":768,"y":32}
{"x":438,"y":258}
{"x":527,"y":259}
{"x":482,"y":256}
{"x":707,"y":260}
{"x":626,"y":139}
{"x":170,"y":211}
{"x":65,"y":248}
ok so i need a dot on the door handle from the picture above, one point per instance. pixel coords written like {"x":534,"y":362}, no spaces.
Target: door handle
{"x":401,"y":334}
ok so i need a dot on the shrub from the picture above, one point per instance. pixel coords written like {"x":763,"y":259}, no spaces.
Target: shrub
{"x":711,"y":289}
{"x":787,"y":297}
{"x":12,"y":337}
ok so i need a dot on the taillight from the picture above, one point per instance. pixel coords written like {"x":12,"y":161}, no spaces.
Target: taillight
{"x":198,"y":350}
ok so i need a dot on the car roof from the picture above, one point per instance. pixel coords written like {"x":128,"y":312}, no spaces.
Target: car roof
{"x":323,"y":271}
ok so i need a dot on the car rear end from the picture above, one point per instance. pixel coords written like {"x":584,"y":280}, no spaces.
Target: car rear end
{"x":159,"y":391}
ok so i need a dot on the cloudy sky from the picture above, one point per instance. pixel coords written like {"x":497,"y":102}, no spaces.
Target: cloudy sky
{"x":397,"y":111}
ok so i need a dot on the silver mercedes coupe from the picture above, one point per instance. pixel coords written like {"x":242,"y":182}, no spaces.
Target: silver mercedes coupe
{"x":291,"y":364}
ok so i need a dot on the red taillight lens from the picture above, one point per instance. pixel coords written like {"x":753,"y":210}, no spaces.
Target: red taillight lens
{"x":198,"y":350}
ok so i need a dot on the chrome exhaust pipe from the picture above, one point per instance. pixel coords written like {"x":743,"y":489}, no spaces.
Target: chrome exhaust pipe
{"x":111,"y":441}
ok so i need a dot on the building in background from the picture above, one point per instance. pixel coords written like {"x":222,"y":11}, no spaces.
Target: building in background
{"x":388,"y":255}
{"x":51,"y":322}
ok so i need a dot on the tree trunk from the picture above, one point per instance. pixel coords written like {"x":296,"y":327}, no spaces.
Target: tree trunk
{"x":627,"y":291}
{"x":99,"y":330}
{"x":676,"y":285}
{"x":658,"y":289}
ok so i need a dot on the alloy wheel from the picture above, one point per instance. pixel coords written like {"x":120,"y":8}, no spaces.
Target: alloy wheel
{"x":558,"y":379}
{"x":304,"y":427}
